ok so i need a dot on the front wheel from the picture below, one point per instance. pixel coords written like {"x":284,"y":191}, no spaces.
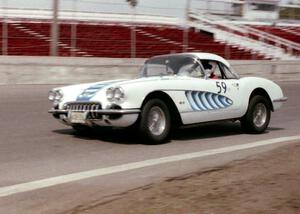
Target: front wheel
{"x":258,"y":115}
{"x":155,"y":122}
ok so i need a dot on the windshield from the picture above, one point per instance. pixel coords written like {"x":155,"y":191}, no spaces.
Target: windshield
{"x":183,"y":65}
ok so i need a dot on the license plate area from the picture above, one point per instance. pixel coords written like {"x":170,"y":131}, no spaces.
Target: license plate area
{"x":77,"y":117}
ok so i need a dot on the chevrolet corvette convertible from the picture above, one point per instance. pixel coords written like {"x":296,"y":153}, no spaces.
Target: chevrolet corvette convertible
{"x":173,"y":90}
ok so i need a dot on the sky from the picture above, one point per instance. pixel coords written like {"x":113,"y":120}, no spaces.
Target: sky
{"x":156,"y":7}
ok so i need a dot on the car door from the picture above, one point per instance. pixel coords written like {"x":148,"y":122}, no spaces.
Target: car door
{"x":215,"y":98}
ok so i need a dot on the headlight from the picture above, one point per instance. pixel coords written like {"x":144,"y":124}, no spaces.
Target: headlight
{"x":55,"y":95}
{"x":110,"y":94}
{"x":51,"y":95}
{"x":59,"y":95}
{"x":115,"y":94}
{"x":119,"y":94}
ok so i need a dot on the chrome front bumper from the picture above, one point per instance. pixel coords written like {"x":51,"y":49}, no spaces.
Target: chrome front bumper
{"x":104,"y":112}
{"x":108,"y":117}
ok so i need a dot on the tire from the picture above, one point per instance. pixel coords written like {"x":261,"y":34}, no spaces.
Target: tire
{"x":155,"y":122}
{"x":257,"y":117}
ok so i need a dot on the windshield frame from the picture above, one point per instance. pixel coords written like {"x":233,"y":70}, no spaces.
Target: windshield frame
{"x":173,"y":62}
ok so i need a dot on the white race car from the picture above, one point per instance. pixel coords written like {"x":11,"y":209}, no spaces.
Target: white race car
{"x":173,"y":90}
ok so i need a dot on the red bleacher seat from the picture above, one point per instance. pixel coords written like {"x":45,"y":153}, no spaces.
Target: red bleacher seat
{"x":113,"y":40}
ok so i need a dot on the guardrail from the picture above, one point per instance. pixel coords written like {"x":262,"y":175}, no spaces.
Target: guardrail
{"x":278,"y":41}
{"x":215,"y":22}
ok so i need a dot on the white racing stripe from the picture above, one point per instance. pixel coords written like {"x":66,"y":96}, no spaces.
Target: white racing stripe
{"x":48,"y":182}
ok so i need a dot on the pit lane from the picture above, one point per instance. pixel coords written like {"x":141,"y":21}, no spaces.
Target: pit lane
{"x":34,"y":146}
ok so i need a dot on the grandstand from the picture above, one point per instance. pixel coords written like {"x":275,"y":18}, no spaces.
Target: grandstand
{"x":109,"y":35}
{"x":113,"y":40}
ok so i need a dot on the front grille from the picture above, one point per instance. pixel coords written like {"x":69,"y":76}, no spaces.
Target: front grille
{"x":85,"y":106}
{"x":79,"y":106}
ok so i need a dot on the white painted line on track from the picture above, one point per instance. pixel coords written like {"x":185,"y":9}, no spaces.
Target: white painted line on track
{"x":48,"y":182}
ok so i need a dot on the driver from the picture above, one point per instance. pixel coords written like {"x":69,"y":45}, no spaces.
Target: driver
{"x":210,"y":68}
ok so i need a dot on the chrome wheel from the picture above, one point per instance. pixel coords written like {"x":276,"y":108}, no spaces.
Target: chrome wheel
{"x":156,"y":121}
{"x":260,"y":115}
{"x":257,"y":117}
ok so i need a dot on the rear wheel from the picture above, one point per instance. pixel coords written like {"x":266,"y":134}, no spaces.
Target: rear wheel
{"x":258,"y":115}
{"x":155,"y":122}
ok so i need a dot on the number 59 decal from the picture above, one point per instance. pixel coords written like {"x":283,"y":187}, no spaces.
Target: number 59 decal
{"x":222,"y":87}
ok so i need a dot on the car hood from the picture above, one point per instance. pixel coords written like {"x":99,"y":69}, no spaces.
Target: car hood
{"x":96,"y":90}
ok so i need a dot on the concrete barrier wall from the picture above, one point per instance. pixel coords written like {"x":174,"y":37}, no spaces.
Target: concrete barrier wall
{"x":273,"y":70}
{"x":69,"y":70}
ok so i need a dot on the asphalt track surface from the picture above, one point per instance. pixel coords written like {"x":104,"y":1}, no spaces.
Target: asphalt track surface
{"x":34,"y":146}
